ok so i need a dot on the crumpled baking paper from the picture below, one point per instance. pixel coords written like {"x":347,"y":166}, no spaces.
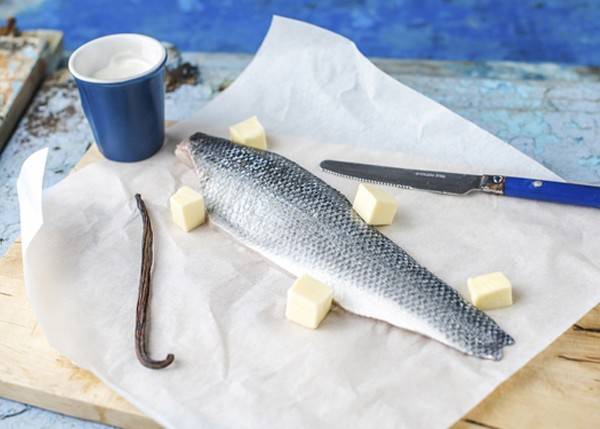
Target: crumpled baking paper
{"x":220,"y":307}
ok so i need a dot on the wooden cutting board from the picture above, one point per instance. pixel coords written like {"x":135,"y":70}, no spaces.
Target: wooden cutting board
{"x":559,"y":388}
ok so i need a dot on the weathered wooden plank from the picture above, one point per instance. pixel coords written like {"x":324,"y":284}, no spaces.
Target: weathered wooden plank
{"x":21,"y":70}
{"x":24,"y":61}
{"x":496,"y":70}
{"x":559,"y":388}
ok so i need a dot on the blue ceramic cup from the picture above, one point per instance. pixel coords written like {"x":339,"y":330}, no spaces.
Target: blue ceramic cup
{"x":121,"y":83}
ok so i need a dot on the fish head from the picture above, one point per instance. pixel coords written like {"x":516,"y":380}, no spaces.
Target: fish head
{"x":212,"y":157}
{"x":202,"y":152}
{"x":195,"y":153}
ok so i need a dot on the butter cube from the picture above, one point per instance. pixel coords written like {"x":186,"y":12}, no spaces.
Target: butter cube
{"x":308,"y":301}
{"x":375,"y":206}
{"x":187,"y":208}
{"x":490,"y":291}
{"x":250,"y":133}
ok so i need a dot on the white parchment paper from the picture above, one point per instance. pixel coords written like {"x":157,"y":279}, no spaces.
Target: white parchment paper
{"x":220,"y":308}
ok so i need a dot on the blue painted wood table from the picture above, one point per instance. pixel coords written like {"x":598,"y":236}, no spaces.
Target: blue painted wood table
{"x":548,"y":111}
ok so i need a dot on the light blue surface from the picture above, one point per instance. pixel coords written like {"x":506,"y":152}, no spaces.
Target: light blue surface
{"x":556,"y":192}
{"x":14,"y":415}
{"x":519,"y":30}
{"x":552,"y":120}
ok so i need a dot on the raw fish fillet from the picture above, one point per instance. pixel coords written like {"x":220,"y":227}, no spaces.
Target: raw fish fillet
{"x":293,"y":218}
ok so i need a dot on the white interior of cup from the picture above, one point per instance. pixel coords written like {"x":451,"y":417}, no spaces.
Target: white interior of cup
{"x":145,"y":53}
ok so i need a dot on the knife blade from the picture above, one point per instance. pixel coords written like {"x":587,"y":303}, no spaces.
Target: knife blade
{"x":461,"y":184}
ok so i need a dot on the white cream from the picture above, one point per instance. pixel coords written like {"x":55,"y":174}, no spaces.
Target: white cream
{"x":122,"y":65}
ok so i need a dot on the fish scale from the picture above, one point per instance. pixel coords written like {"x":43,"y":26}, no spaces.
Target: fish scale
{"x":293,"y":218}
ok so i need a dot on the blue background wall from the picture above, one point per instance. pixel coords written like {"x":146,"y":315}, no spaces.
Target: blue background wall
{"x":520,"y":30}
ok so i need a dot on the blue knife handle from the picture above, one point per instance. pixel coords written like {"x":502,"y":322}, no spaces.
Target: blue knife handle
{"x":556,"y":192}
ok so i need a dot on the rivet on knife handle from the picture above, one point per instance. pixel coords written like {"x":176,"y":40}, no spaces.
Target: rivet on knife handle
{"x":555,"y":192}
{"x":492,"y":184}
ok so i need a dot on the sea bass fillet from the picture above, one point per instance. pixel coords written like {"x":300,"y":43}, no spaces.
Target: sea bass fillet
{"x":293,"y":218}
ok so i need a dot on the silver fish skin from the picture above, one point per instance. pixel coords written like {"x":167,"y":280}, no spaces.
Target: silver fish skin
{"x":299,"y":222}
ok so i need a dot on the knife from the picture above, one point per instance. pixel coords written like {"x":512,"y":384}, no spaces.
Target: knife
{"x":460,"y":184}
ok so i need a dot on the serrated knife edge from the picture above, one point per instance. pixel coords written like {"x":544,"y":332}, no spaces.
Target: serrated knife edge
{"x":427,"y":180}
